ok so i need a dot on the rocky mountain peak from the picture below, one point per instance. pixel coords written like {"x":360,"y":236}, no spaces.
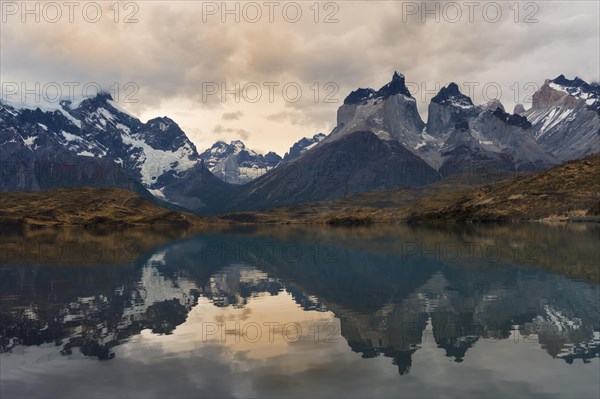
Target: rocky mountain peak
{"x":163,"y":123}
{"x":519,"y":109}
{"x":451,"y":95}
{"x":449,"y":110}
{"x":563,"y":81}
{"x":396,"y":86}
{"x":104,"y":96}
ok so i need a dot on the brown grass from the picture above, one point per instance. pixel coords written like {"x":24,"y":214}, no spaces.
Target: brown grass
{"x":84,"y":206}
{"x":570,"y":190}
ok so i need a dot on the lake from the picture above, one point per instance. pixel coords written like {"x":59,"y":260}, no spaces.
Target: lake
{"x":292,"y":311}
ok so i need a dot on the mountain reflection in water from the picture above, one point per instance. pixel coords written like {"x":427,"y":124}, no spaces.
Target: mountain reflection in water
{"x":302,"y":311}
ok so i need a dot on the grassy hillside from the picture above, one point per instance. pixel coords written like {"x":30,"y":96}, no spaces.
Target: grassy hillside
{"x":571,"y":190}
{"x":84,"y":206}
{"x":568,"y":190}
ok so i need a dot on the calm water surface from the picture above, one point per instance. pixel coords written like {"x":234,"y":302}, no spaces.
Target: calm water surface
{"x":476,"y":311}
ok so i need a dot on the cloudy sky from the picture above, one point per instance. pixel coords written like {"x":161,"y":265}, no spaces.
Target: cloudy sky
{"x":269,"y":73}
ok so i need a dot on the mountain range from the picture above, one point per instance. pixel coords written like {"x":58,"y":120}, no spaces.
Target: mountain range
{"x":234,"y":163}
{"x":379,"y":142}
{"x":94,"y":143}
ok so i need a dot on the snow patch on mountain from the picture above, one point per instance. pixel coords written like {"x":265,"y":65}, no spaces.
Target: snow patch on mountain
{"x":565,"y":118}
{"x":153,"y":163}
{"x":30,"y":142}
{"x":590,"y":97}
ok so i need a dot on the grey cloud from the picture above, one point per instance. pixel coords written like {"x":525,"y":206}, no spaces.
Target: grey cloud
{"x":244,"y":135}
{"x":241,"y":133}
{"x":294,"y":117}
{"x":232,"y":116}
{"x":171,"y":54}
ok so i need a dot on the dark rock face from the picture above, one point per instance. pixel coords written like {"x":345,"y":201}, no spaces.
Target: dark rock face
{"x":164,"y":133}
{"x":512,"y":120}
{"x":272,"y":158}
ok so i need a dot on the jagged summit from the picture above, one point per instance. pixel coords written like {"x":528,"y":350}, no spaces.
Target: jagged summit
{"x":396,"y":86}
{"x":100,"y":98}
{"x":563,"y":81}
{"x":161,"y":119}
{"x":451,"y":95}
{"x":576,"y":86}
{"x":93,"y":101}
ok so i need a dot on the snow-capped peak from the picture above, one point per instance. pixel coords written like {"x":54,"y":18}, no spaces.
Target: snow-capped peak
{"x":578,"y":88}
{"x":235,"y":163}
